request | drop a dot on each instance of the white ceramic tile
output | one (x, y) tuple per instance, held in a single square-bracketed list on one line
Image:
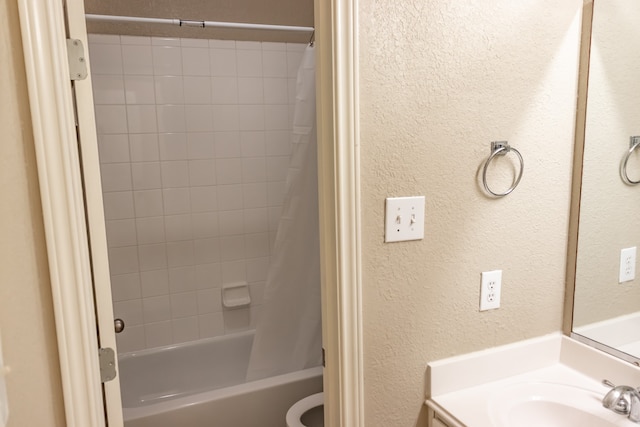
[(236, 320), (178, 227), (166, 41), (277, 168), (227, 144), (111, 119), (154, 283), (140, 40), (108, 89), (273, 215), (232, 248), (248, 45), (222, 44), (272, 240), (206, 251), (205, 224), (121, 232), (185, 329), (234, 271), (144, 147), (256, 245), (255, 312), (102, 39), (250, 90), (275, 193), (148, 203), (199, 118), (139, 90), (208, 276), (113, 148), (123, 260), (200, 145), (141, 119), (296, 47), (279, 46), (223, 62), (252, 143), (254, 195), (152, 257), (254, 169), (116, 177), (249, 63), (184, 304), (118, 205), (276, 117), (202, 172), (255, 220), (105, 58), (231, 222), (293, 62), (256, 290), (182, 279), (171, 118), (292, 90), (197, 90), (252, 117), (131, 339), (225, 118), (175, 174), (167, 61), (209, 301), (158, 334), (146, 175), (229, 171), (195, 61), (169, 90), (176, 200), (230, 197), (204, 199), (173, 146), (194, 43), (129, 311), (276, 91), (180, 254), (274, 63), (257, 269), (211, 325), (224, 90), (125, 286), (150, 230), (278, 143), (137, 60)]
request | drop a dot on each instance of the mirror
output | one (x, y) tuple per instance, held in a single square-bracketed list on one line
[(605, 310)]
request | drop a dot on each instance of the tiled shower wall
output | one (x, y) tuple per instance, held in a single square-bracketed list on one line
[(194, 142)]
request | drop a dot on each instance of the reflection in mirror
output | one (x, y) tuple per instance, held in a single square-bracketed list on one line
[(606, 310)]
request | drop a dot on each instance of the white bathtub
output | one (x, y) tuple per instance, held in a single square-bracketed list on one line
[(201, 384)]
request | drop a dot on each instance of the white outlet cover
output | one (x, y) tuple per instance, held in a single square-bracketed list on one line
[(404, 219), (490, 289), (627, 265)]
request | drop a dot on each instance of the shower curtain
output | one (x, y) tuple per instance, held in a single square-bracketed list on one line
[(288, 336)]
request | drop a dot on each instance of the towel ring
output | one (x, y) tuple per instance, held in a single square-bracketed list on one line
[(633, 144), (501, 148)]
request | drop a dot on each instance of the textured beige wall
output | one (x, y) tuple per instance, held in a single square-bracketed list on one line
[(439, 81), (26, 313), (609, 208)]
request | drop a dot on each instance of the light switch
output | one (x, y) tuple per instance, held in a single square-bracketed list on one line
[(404, 219)]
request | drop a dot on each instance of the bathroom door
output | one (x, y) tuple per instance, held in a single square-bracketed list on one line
[(87, 140)]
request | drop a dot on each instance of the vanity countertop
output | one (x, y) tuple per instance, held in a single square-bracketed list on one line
[(469, 390)]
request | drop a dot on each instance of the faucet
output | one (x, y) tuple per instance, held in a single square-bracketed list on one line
[(623, 399)]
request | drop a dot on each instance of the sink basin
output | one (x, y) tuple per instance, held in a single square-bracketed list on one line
[(535, 404)]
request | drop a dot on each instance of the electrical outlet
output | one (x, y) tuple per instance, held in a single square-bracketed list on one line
[(627, 265), (404, 219), (490, 287)]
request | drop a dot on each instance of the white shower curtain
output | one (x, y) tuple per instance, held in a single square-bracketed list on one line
[(289, 335)]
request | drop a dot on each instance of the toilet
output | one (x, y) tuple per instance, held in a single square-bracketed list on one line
[(307, 412)]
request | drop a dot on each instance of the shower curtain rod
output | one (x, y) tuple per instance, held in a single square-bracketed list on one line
[(192, 23)]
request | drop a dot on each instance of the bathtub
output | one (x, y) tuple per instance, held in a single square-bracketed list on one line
[(201, 384)]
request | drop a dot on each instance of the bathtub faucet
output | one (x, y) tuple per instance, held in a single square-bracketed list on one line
[(623, 399)]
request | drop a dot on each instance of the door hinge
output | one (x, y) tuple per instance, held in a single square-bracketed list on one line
[(324, 360), (107, 364), (77, 60)]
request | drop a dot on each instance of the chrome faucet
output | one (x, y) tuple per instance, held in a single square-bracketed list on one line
[(624, 400)]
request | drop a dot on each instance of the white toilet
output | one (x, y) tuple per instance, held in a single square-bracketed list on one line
[(307, 412)]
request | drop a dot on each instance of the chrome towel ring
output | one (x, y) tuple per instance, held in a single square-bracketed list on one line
[(633, 144), (501, 148)]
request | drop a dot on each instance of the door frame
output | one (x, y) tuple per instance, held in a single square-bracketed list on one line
[(61, 187)]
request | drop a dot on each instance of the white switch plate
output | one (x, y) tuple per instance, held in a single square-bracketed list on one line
[(490, 288), (627, 265), (404, 219)]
